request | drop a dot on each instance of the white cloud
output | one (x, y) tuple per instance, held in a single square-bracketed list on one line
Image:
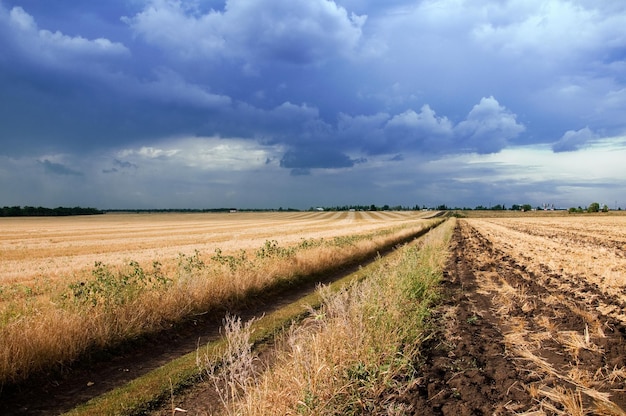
[(601, 163), (535, 174), (22, 20), (202, 153), (489, 127), (412, 131)]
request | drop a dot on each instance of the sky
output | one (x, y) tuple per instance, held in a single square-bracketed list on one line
[(304, 103)]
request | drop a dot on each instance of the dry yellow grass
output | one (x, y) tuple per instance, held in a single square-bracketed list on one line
[(55, 304), (357, 354)]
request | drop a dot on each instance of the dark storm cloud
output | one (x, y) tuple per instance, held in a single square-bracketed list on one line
[(297, 87)]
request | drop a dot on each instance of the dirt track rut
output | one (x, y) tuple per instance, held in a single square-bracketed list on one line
[(510, 341)]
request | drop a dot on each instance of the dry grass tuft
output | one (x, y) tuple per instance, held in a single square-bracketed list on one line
[(235, 371)]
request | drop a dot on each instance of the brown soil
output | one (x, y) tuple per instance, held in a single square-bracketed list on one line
[(466, 368), (476, 363)]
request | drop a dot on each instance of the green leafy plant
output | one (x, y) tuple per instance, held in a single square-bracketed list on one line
[(109, 289), (271, 249)]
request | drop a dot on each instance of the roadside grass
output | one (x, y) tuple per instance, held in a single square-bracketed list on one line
[(161, 385), (49, 330), (357, 353)]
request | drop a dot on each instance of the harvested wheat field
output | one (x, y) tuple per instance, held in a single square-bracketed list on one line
[(73, 287), (534, 322), (55, 248)]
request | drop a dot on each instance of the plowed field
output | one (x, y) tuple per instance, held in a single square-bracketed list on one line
[(533, 322)]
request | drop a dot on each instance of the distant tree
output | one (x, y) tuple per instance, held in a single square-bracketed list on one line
[(29, 211), (593, 207), (605, 208)]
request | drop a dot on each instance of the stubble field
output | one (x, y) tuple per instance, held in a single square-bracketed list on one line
[(73, 285), (55, 248)]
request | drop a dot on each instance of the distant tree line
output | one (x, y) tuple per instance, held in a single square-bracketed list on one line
[(196, 210), (371, 207), (18, 211), (593, 207)]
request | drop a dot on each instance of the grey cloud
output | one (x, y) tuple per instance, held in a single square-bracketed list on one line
[(488, 128), (286, 123), (294, 31), (318, 85), (309, 158), (58, 168), (300, 172), (171, 87), (423, 130), (573, 140), (120, 165), (124, 164), (363, 131), (56, 49)]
